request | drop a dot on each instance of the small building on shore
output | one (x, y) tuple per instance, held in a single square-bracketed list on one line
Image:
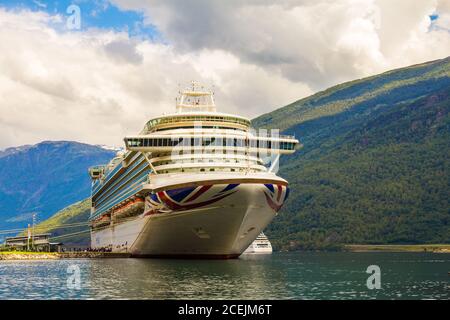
[(38, 242)]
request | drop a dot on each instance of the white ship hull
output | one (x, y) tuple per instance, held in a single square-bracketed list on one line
[(261, 245), (257, 250), (219, 223)]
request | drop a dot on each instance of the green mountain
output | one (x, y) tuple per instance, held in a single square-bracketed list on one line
[(69, 225), (374, 167)]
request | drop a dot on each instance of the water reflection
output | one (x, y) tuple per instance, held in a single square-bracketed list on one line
[(248, 278), (277, 276)]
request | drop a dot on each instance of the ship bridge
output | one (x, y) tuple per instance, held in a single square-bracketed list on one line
[(195, 108), (198, 138)]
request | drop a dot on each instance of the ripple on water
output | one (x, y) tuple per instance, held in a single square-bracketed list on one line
[(277, 276)]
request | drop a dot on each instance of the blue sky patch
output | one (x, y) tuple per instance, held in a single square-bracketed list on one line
[(94, 14), (434, 17)]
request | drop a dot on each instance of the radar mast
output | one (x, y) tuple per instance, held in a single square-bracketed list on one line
[(195, 98)]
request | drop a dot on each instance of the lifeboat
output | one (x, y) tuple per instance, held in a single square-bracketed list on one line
[(102, 221), (132, 207)]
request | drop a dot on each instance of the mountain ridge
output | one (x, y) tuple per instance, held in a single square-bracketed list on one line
[(315, 98), (44, 178)]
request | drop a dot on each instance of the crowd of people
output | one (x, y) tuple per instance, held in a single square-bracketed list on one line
[(89, 249)]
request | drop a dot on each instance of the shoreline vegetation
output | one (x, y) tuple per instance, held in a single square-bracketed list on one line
[(435, 248), (20, 255)]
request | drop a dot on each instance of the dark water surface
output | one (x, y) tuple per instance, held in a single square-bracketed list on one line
[(277, 276)]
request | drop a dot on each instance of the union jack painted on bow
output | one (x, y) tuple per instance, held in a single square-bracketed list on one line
[(186, 198), (276, 195)]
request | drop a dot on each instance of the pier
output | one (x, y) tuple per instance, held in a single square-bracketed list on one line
[(17, 255)]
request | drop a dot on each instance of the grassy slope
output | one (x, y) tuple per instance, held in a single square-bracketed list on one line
[(375, 163), (76, 213)]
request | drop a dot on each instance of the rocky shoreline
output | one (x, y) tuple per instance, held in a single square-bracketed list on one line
[(62, 255)]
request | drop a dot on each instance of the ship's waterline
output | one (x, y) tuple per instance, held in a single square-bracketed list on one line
[(185, 190)]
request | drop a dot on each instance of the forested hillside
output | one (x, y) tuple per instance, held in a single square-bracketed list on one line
[(70, 225), (374, 167)]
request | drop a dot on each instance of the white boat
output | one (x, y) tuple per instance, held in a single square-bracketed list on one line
[(192, 183), (261, 245)]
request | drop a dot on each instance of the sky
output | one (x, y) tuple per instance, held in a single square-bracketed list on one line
[(100, 77)]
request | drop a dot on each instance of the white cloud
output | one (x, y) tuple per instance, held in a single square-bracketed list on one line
[(319, 43), (96, 86)]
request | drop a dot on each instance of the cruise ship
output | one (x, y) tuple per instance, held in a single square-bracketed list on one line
[(261, 245), (193, 183)]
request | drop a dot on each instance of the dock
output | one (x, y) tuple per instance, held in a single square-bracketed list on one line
[(15, 255)]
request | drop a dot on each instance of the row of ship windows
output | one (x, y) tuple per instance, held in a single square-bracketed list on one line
[(200, 160), (175, 170), (155, 122), (172, 142), (202, 127)]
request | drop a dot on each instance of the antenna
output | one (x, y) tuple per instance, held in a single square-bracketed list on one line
[(32, 233), (29, 237)]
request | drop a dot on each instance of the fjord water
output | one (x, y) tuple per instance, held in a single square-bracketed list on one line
[(339, 275)]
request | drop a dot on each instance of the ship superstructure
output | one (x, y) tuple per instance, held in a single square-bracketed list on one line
[(196, 182)]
